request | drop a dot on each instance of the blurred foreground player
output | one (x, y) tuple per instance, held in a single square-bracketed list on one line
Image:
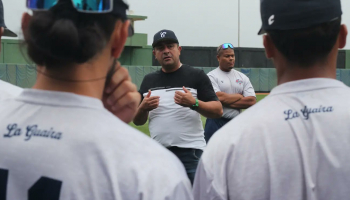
[(57, 140), (296, 143), (120, 95)]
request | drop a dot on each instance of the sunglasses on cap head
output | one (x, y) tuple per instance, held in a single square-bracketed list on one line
[(225, 46), (84, 6), (96, 6)]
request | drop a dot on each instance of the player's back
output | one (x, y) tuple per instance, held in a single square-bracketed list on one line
[(294, 144), (57, 145), (8, 90)]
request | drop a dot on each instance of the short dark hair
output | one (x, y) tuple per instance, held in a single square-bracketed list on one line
[(307, 46), (62, 36)]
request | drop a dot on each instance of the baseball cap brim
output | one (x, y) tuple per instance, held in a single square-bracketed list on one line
[(131, 31), (261, 32), (164, 40), (9, 33)]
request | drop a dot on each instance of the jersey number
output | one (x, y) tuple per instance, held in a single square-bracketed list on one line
[(44, 189)]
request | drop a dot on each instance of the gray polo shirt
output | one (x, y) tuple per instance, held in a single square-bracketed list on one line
[(294, 144), (73, 148), (232, 82)]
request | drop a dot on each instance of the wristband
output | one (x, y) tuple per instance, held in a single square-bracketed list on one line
[(195, 106)]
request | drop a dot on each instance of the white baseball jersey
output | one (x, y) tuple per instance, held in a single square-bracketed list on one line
[(233, 82), (294, 144), (72, 148), (8, 90)]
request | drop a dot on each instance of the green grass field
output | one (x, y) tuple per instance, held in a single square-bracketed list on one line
[(144, 128)]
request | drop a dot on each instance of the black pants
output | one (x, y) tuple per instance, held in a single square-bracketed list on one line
[(212, 125), (189, 158)]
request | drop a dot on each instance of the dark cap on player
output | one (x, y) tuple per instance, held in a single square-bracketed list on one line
[(119, 8), (297, 14), (7, 32), (164, 36)]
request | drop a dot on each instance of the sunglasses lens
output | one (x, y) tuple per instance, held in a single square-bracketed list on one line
[(94, 6), (227, 45), (80, 5), (40, 4)]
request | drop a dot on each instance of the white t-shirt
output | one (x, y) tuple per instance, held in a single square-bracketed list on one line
[(233, 82), (75, 149), (294, 144), (171, 124), (187, 134), (8, 90)]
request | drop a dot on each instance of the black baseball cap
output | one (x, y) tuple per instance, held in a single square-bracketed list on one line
[(119, 9), (7, 32), (297, 14), (164, 36)]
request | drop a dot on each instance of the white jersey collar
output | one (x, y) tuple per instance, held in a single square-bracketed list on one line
[(60, 99), (307, 85)]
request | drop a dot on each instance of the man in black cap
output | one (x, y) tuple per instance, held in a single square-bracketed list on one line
[(296, 144), (173, 98)]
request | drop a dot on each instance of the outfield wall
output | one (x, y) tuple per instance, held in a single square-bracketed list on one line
[(137, 54), (263, 79)]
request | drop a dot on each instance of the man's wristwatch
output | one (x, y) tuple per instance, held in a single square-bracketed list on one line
[(195, 106)]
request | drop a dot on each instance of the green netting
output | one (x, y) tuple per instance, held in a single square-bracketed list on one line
[(262, 79), (26, 76), (338, 74), (255, 78), (140, 73), (132, 73), (8, 73), (272, 79), (208, 69), (344, 76)]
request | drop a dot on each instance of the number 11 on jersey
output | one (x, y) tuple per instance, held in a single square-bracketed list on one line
[(44, 189)]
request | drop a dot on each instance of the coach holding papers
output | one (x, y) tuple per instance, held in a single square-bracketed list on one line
[(173, 98)]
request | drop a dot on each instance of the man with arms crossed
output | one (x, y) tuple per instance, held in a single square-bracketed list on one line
[(174, 98), (294, 144), (233, 88)]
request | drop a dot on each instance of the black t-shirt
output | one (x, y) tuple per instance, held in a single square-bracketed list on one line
[(185, 76)]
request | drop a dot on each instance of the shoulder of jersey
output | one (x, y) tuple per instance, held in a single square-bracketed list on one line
[(212, 71), (260, 112)]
